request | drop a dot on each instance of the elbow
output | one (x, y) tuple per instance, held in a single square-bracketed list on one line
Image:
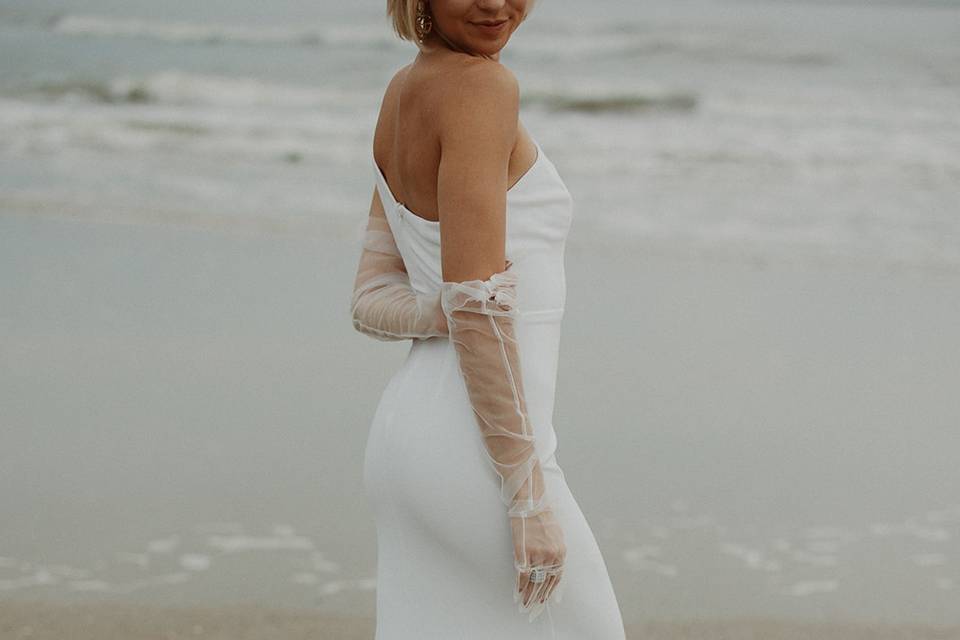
[(357, 317), (362, 327), (356, 314), (363, 323)]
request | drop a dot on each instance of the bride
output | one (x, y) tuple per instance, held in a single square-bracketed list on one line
[(463, 255)]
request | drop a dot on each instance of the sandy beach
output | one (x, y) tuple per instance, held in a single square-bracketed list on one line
[(132, 350), (41, 621)]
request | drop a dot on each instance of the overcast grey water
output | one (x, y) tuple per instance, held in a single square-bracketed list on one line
[(766, 235), (830, 129)]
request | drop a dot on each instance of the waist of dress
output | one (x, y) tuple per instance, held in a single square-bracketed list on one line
[(541, 315), (531, 317)]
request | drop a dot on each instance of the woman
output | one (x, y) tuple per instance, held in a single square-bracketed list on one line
[(463, 254)]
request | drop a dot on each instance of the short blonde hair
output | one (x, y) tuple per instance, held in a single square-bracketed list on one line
[(403, 17)]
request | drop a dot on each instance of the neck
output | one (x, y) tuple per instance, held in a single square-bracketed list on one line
[(447, 43)]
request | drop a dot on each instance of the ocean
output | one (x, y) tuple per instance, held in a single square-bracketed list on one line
[(761, 129)]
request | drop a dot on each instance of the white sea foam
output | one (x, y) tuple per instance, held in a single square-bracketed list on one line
[(642, 39), (910, 528), (305, 578), (192, 32), (581, 40), (284, 530), (320, 562), (337, 586), (643, 558), (195, 561), (164, 545), (755, 559), (35, 578), (179, 87), (235, 544), (929, 559)]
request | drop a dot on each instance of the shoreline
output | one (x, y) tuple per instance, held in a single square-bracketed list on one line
[(587, 241), (121, 621), (132, 350)]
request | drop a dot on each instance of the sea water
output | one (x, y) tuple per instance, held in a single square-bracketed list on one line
[(784, 130)]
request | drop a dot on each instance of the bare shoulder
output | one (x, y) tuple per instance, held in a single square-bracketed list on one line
[(489, 73), (482, 95), (398, 76), (391, 94)]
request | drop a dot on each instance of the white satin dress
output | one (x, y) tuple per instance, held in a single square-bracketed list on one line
[(444, 547)]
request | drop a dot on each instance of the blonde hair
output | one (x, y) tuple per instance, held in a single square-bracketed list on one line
[(403, 18)]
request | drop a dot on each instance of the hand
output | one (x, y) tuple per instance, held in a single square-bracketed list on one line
[(538, 542)]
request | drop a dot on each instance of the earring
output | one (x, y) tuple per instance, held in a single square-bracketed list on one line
[(424, 23)]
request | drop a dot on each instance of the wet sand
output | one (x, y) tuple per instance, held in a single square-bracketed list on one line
[(790, 430), (46, 621)]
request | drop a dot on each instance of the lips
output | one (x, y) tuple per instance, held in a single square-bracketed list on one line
[(489, 28)]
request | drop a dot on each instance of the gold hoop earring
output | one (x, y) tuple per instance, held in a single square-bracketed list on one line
[(424, 23)]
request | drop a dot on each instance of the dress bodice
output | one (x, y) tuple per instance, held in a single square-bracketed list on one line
[(539, 214)]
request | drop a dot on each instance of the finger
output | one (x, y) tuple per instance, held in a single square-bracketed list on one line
[(541, 589), (523, 580), (544, 590), (554, 580), (547, 588), (536, 591), (528, 593), (533, 593)]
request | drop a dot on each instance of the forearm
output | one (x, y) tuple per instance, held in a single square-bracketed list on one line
[(388, 308), (481, 317), (384, 304)]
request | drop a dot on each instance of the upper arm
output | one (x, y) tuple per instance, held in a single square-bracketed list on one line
[(378, 216), (478, 130), (379, 234), (379, 253)]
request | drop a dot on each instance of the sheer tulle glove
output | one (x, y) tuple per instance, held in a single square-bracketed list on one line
[(384, 305), (481, 316), (538, 546)]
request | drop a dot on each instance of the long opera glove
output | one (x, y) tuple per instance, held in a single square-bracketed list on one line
[(384, 305), (481, 316)]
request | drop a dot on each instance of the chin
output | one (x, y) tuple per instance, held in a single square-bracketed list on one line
[(488, 47), (488, 50)]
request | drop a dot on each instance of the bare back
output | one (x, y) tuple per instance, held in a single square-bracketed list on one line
[(406, 143)]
